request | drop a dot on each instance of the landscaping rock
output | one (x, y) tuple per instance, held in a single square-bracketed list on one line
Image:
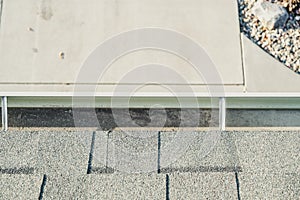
[(282, 43), (271, 15)]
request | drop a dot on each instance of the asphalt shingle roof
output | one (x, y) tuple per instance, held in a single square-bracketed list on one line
[(64, 164)]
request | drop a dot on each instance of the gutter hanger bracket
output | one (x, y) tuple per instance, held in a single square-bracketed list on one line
[(4, 114), (222, 113)]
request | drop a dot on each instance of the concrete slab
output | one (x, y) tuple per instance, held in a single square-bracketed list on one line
[(133, 186), (18, 152), (20, 186), (185, 151), (64, 152), (202, 186), (257, 185), (44, 30), (133, 151), (269, 151), (263, 73)]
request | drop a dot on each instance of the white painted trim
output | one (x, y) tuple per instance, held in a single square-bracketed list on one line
[(4, 114), (110, 94), (222, 113)]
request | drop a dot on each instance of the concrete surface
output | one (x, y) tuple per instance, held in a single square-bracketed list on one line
[(203, 186), (265, 73), (20, 186), (46, 32)]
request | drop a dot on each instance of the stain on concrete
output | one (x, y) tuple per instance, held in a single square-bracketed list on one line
[(30, 29), (46, 10), (35, 50), (62, 55)]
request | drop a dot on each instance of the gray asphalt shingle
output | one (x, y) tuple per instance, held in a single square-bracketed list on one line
[(202, 186), (267, 164), (127, 186), (20, 186), (269, 151), (198, 152), (98, 156), (271, 164), (64, 152), (271, 185), (18, 151), (66, 187), (25, 152), (106, 186), (127, 152)]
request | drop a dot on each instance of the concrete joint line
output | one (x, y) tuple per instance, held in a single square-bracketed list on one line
[(1, 9)]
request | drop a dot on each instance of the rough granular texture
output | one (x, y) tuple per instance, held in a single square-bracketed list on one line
[(282, 43)]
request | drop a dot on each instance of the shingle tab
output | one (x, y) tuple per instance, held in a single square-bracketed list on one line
[(269, 151), (210, 151), (67, 187), (130, 186), (202, 186), (127, 152), (18, 152), (274, 185), (64, 152), (20, 186)]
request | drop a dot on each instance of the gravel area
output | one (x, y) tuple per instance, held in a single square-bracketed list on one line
[(282, 43)]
